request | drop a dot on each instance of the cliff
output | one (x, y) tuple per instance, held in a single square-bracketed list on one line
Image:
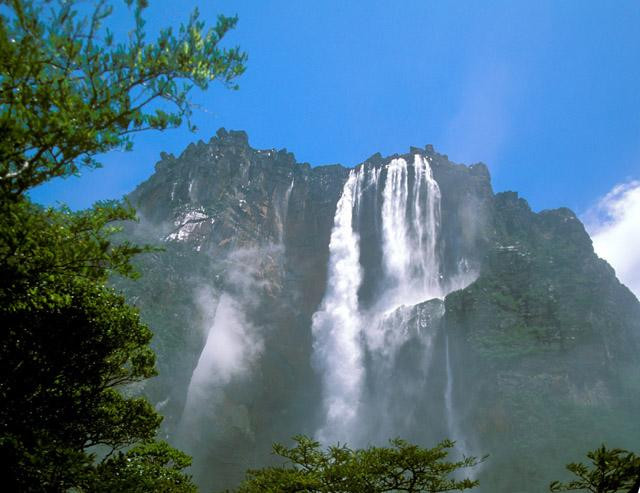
[(528, 352)]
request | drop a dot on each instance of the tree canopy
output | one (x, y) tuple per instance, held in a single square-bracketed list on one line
[(400, 467), (69, 89), (69, 346), (72, 352), (611, 471)]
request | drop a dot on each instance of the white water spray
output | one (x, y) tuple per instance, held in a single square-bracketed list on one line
[(394, 221), (283, 211), (337, 327), (229, 351), (410, 226), (426, 221)]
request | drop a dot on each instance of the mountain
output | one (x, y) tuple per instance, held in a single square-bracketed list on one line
[(398, 298)]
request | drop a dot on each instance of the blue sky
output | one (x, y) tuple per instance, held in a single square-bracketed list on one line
[(547, 93)]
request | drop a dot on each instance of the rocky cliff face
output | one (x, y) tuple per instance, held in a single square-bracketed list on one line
[(552, 338), (286, 292)]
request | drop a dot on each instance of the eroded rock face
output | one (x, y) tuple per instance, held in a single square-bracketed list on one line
[(538, 346)]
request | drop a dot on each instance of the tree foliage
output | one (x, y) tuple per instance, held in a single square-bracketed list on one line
[(399, 467), (69, 90), (67, 347), (147, 467), (72, 352), (611, 471)]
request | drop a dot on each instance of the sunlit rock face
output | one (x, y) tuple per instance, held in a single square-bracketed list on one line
[(398, 298)]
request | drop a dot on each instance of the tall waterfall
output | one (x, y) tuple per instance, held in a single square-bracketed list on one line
[(410, 217), (410, 226), (407, 226), (336, 326)]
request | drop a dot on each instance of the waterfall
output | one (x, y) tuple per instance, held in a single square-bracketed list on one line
[(336, 326), (394, 225), (427, 225), (410, 226), (375, 177), (357, 192), (282, 216), (407, 226)]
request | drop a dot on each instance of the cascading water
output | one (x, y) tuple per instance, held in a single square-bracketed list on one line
[(283, 211), (336, 326), (394, 221), (410, 219), (427, 225), (410, 226), (355, 348)]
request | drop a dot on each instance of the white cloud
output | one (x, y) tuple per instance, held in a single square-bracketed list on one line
[(614, 225)]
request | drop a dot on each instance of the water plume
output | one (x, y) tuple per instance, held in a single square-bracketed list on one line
[(410, 226), (337, 327), (231, 347), (357, 348)]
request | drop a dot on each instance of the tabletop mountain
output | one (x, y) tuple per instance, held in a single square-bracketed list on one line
[(400, 298)]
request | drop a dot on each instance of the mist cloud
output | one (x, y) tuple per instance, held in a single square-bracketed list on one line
[(614, 225), (233, 344)]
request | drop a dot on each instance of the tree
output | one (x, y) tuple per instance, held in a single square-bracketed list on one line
[(71, 350), (69, 90), (611, 471), (399, 467), (147, 467), (67, 343)]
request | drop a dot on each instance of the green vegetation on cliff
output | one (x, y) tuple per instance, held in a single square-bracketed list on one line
[(553, 337)]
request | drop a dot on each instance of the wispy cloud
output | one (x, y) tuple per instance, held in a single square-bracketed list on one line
[(614, 225), (481, 122)]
